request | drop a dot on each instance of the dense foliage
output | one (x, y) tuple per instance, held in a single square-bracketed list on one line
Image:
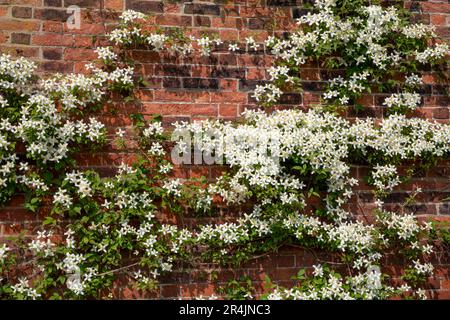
[(101, 227)]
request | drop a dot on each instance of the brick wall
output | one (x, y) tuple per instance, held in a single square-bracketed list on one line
[(219, 86)]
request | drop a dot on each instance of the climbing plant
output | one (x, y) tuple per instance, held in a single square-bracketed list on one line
[(280, 162)]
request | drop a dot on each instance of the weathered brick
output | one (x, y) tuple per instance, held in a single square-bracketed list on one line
[(174, 20), (194, 88), (313, 86), (259, 23), (114, 4), (441, 113), (20, 38), (204, 9), (52, 53), (19, 25), (52, 26), (51, 14), (201, 21), (291, 98), (414, 7), (281, 3), (440, 89), (444, 208), (52, 40), (199, 83), (22, 12), (436, 7), (79, 54), (170, 291), (438, 19), (56, 66), (145, 6), (230, 97), (52, 3), (82, 3), (171, 83), (172, 70), (228, 72), (249, 85), (3, 11), (228, 110)]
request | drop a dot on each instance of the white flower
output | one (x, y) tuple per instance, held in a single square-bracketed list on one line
[(173, 186), (106, 53), (80, 182), (205, 45), (131, 15), (3, 102), (61, 197), (153, 129), (318, 271), (233, 47), (156, 149), (406, 100), (120, 133), (421, 294), (418, 30), (3, 250), (413, 80), (22, 287), (165, 168), (251, 43), (430, 54), (385, 177), (344, 100)]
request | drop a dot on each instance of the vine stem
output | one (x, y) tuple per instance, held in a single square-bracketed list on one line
[(315, 255), (118, 269)]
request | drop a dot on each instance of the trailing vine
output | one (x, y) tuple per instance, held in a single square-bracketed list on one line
[(101, 227)]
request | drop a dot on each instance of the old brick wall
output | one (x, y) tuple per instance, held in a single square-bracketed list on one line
[(219, 86)]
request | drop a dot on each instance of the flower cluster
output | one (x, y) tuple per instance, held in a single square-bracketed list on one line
[(40, 116), (272, 158), (385, 177), (403, 101), (364, 40), (261, 149), (3, 250), (277, 162)]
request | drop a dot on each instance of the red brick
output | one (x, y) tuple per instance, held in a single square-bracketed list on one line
[(64, 50), (171, 7), (19, 25), (52, 40), (114, 4), (229, 97), (229, 35), (438, 19), (226, 22), (3, 11), (228, 110), (22, 12), (23, 51), (20, 38), (170, 291), (206, 290), (174, 20), (228, 84), (87, 28), (441, 113), (52, 26), (181, 96), (79, 54), (256, 74), (435, 7)]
